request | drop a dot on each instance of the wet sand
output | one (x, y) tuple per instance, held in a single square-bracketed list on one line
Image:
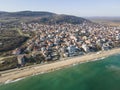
[(40, 69)]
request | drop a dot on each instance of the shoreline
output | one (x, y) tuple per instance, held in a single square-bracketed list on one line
[(15, 75), (18, 79)]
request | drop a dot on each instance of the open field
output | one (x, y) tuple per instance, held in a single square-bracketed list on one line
[(113, 21)]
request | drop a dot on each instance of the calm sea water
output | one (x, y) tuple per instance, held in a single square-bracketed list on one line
[(98, 75)]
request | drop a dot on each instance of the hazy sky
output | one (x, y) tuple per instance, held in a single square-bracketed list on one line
[(73, 7)]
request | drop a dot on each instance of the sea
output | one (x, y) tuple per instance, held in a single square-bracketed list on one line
[(101, 74)]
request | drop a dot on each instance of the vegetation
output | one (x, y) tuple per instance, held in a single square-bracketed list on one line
[(11, 43), (10, 39), (8, 63), (40, 17), (12, 62)]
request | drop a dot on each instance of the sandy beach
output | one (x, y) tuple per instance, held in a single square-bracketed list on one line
[(39, 69)]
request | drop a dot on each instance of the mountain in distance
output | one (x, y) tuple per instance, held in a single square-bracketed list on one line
[(42, 17), (25, 14)]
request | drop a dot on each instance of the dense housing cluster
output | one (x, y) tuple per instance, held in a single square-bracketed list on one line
[(66, 40)]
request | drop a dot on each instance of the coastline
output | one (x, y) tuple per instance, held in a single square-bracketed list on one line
[(40, 69)]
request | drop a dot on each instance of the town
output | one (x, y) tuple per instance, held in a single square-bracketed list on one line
[(59, 45), (54, 42)]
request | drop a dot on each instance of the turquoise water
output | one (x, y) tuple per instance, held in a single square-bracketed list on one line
[(98, 75)]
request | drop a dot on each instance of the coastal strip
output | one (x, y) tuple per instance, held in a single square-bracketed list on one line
[(39, 69)]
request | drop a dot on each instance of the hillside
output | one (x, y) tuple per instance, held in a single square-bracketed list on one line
[(25, 14), (41, 17)]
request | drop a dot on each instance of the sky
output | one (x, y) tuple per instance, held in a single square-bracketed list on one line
[(71, 7)]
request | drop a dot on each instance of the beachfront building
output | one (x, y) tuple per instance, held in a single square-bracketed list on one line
[(21, 60)]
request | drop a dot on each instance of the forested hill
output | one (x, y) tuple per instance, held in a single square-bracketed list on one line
[(42, 17)]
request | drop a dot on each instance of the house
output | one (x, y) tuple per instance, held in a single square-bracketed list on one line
[(85, 47), (72, 50), (16, 51), (21, 60), (1, 43), (105, 46)]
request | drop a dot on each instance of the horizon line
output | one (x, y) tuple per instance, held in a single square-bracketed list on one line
[(86, 16)]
